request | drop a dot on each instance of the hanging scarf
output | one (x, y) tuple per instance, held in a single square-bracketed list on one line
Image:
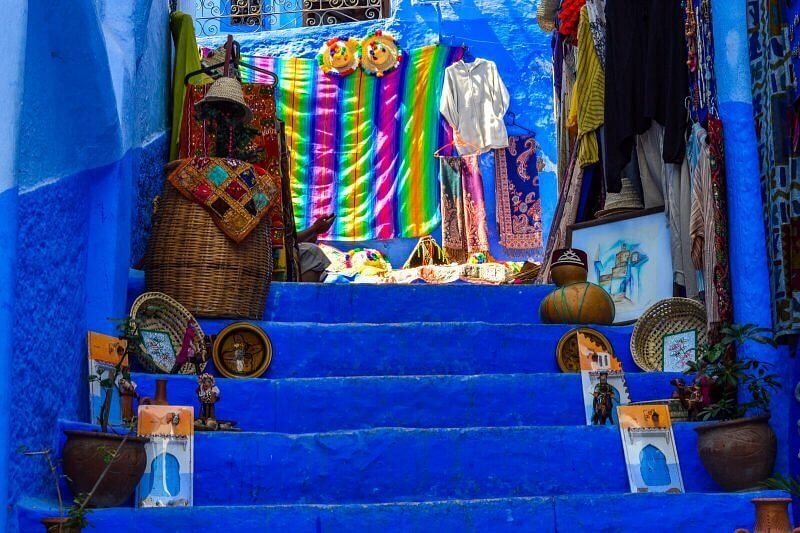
[(519, 212), (464, 230)]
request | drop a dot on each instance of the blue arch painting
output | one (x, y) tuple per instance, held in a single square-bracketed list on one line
[(653, 467), (164, 480)]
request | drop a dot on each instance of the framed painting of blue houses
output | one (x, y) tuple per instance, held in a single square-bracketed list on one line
[(629, 256)]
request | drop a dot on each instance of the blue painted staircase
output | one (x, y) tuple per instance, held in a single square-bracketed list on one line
[(418, 408)]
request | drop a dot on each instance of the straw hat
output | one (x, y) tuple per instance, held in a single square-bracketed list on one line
[(627, 199), (546, 15), (227, 91)]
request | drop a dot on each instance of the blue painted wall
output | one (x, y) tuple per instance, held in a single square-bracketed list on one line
[(748, 255), (92, 139), (504, 31)]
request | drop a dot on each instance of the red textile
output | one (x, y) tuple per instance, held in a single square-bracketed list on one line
[(569, 16)]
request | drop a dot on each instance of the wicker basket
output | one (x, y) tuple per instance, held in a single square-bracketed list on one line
[(673, 315), (156, 312), (191, 260)]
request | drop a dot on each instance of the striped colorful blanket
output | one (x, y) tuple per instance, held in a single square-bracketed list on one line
[(362, 147)]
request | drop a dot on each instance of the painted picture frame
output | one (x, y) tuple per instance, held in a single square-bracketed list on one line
[(168, 479), (678, 349), (648, 442), (629, 257), (602, 380)]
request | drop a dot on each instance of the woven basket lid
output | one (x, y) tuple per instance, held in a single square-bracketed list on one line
[(667, 317), (227, 90), (546, 15), (627, 199)]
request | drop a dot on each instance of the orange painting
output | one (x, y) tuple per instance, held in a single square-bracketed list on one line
[(106, 348), (643, 416), (593, 356), (163, 420)]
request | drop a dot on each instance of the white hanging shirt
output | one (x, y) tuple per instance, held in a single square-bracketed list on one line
[(474, 101)]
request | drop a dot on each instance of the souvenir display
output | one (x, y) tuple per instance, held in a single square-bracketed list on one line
[(427, 252), (161, 324), (242, 350), (380, 53), (339, 57), (668, 334), (168, 478), (629, 257), (391, 188), (567, 350), (650, 452), (603, 382)]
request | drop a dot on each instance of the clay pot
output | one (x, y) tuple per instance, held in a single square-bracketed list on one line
[(84, 459), (738, 454), (567, 274), (772, 516), (55, 525), (161, 394), (578, 303)]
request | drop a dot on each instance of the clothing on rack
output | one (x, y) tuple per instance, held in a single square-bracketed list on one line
[(648, 79), (519, 211), (474, 100), (597, 24), (569, 17), (464, 229), (590, 90), (187, 59)]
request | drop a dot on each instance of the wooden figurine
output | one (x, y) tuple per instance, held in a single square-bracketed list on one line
[(208, 394)]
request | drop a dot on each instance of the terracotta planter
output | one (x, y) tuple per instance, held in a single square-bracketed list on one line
[(84, 457), (738, 454), (772, 516), (55, 525)]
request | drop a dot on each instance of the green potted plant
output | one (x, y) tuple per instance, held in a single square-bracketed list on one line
[(76, 519), (103, 463), (738, 450)]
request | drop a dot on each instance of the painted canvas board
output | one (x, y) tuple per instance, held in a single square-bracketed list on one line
[(603, 382), (168, 477), (679, 349), (649, 444), (104, 351), (631, 260)]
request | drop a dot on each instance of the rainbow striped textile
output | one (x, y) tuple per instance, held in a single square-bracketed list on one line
[(361, 146)]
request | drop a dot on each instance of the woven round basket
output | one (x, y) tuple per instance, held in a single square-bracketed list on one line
[(156, 314), (667, 317), (191, 260)]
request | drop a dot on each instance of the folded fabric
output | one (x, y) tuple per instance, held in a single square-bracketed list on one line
[(236, 194)]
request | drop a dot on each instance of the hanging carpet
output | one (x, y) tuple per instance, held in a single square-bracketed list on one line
[(362, 146)]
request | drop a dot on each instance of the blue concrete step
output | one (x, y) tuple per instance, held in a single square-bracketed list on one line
[(328, 303), (419, 348), (394, 464), (579, 513), (328, 404)]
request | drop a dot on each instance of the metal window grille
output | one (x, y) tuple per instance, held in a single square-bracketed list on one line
[(239, 16)]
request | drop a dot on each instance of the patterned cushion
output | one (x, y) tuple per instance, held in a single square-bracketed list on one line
[(236, 194)]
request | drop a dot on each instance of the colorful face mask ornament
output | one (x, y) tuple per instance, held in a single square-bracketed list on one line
[(380, 53), (339, 57)]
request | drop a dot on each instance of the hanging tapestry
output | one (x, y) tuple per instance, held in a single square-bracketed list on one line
[(464, 228), (361, 146), (197, 141), (770, 77), (519, 210)]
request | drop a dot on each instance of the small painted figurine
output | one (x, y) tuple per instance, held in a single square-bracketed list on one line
[(208, 394), (127, 392), (603, 403)]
